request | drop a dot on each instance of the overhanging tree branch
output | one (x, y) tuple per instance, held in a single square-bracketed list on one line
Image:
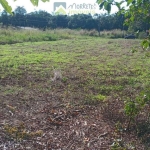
[(8, 8)]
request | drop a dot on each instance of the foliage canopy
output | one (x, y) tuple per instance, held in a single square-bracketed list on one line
[(8, 8), (135, 9)]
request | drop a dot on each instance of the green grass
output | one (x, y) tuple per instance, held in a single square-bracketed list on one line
[(99, 68)]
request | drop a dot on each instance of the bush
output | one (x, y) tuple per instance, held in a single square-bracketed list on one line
[(113, 34), (142, 35)]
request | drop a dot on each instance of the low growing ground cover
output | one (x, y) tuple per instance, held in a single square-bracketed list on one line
[(69, 94)]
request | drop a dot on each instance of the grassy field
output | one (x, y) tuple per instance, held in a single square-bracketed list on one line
[(70, 93), (13, 35)]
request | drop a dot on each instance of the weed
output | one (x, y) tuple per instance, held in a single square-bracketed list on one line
[(19, 132), (134, 107), (94, 99)]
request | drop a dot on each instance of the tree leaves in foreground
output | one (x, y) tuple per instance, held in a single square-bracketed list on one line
[(36, 2), (135, 9), (8, 8)]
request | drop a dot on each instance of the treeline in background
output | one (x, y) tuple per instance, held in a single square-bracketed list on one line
[(42, 19)]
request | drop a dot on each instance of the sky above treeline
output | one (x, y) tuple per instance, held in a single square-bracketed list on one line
[(84, 5)]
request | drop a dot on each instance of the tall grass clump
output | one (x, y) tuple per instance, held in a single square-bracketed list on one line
[(142, 35), (11, 36), (114, 34), (88, 32)]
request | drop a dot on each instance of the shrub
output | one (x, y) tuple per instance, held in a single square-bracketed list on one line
[(142, 35)]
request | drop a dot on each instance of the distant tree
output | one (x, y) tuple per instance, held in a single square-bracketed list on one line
[(83, 21), (19, 17), (59, 21), (5, 18), (20, 10), (90, 23), (38, 19)]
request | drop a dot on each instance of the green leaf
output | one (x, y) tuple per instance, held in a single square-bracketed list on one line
[(129, 2), (118, 4), (6, 6), (101, 5), (100, 1), (145, 44), (107, 6), (35, 2)]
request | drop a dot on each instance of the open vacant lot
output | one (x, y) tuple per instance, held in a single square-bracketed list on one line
[(69, 94)]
